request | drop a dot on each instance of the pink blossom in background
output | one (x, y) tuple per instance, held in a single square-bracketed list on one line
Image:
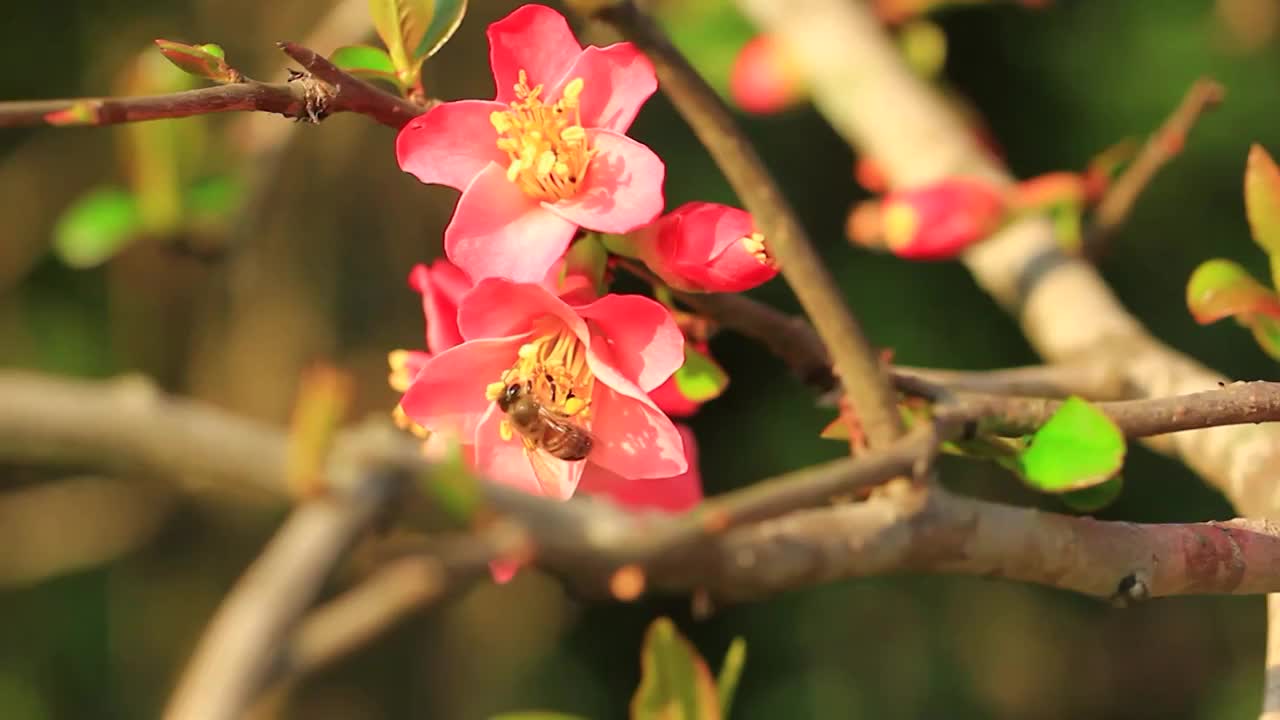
[(706, 247), (941, 220), (546, 156), (764, 78)]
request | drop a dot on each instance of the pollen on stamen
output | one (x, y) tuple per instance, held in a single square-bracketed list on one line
[(504, 431), (574, 405), (754, 244), (493, 390)]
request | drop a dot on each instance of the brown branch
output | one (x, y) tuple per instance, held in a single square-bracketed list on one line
[(799, 263), (743, 544), (326, 91), (1163, 146), (234, 658), (1236, 404)]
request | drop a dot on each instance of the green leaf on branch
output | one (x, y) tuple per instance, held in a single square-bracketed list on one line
[(413, 30), (208, 61), (1093, 499), (444, 23), (96, 227), (700, 379), (366, 62), (1079, 447), (675, 683), (1221, 288), (730, 674), (1262, 199)]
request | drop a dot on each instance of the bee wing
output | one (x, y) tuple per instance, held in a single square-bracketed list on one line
[(552, 473), (562, 423)]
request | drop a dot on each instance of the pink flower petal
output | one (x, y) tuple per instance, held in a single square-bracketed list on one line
[(503, 570), (644, 341), (448, 394), (442, 286), (622, 189), (507, 462), (497, 308), (617, 80), (633, 438), (498, 231), (533, 38), (450, 143), (673, 494)]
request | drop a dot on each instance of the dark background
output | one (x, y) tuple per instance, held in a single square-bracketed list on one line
[(102, 596)]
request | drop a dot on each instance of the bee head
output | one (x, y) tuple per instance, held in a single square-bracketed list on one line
[(509, 395)]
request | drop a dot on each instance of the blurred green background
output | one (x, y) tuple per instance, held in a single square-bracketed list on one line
[(106, 583)]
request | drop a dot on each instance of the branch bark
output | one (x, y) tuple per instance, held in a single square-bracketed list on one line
[(326, 90)]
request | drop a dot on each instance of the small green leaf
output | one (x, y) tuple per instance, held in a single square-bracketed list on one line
[(675, 683), (1262, 199), (444, 23), (207, 61), (730, 673), (1221, 288), (1078, 447), (535, 715), (700, 379), (1092, 499), (96, 227), (402, 25), (365, 61)]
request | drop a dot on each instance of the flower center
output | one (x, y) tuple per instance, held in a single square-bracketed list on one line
[(546, 143), (754, 243), (553, 367)]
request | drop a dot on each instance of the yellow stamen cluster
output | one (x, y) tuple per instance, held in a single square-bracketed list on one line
[(555, 367), (546, 143), (754, 243)]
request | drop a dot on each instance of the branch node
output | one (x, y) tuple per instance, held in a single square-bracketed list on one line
[(1131, 590)]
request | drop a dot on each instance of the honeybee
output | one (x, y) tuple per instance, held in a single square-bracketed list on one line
[(543, 432)]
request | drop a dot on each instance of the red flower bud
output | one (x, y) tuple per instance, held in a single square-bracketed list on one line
[(706, 247), (939, 221), (764, 78)]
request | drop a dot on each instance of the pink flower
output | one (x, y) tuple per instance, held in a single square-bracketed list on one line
[(706, 247), (442, 285), (590, 365), (546, 156), (939, 221), (764, 78), (673, 494)]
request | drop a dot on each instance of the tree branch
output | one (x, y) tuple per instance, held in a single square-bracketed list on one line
[(743, 544), (326, 90), (1164, 145), (711, 121)]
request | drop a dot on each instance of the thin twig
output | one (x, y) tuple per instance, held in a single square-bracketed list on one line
[(308, 98), (1164, 145), (1236, 404), (712, 122)]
